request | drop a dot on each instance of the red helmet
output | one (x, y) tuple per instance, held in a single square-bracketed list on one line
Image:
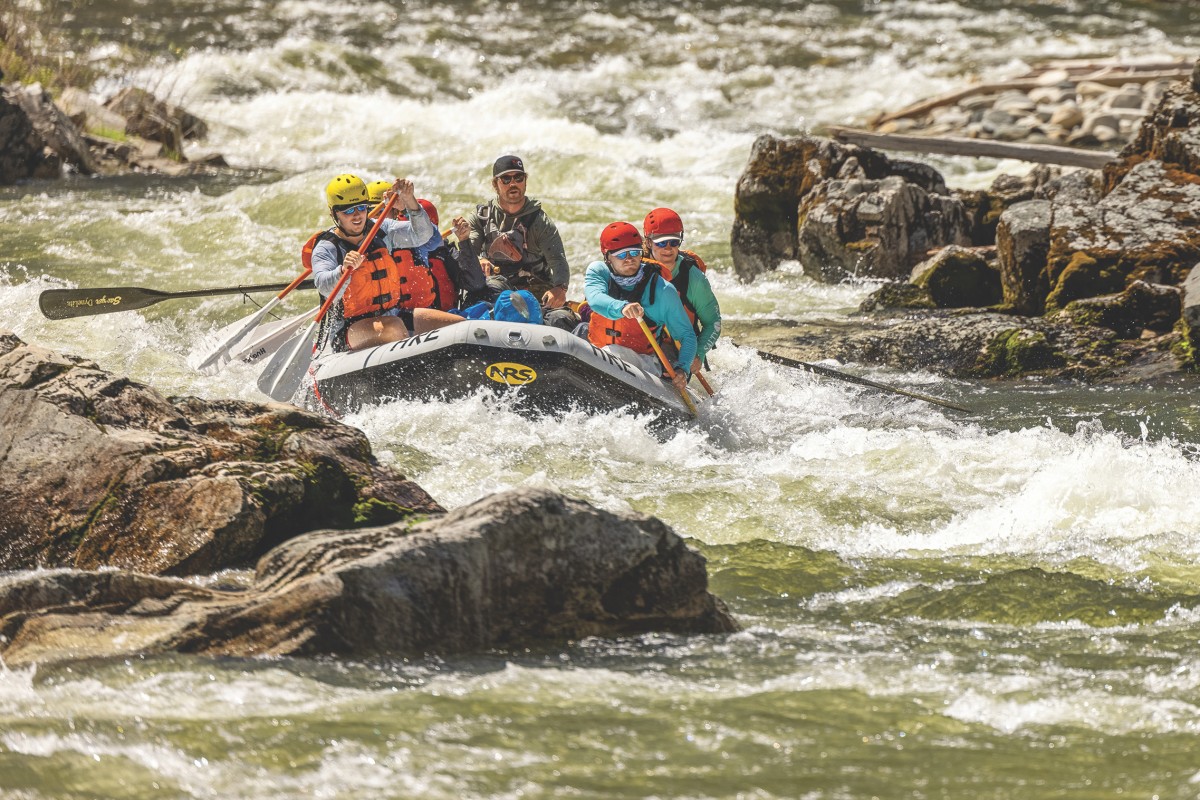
[(662, 222), (429, 207), (618, 236)]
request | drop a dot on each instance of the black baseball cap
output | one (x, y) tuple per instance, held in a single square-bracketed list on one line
[(507, 164)]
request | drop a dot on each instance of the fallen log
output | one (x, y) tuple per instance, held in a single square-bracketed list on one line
[(985, 148)]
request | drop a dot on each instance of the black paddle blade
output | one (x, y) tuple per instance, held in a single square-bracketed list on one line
[(68, 303)]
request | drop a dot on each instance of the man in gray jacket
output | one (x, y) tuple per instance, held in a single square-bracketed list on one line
[(518, 244)]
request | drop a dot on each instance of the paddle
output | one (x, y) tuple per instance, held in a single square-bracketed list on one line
[(264, 341), (286, 370), (219, 355), (704, 383), (666, 364), (68, 303), (833, 373)]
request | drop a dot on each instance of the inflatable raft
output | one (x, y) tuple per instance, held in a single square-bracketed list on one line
[(547, 369)]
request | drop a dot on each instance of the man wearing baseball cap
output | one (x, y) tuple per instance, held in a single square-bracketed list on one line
[(519, 246)]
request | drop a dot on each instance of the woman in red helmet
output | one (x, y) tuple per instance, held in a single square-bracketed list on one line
[(623, 288), (686, 272)]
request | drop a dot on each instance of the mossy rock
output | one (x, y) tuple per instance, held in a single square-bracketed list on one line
[(897, 295), (1141, 306), (1016, 352), (959, 278), (1084, 276)]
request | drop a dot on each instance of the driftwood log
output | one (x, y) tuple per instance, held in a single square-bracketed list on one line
[(986, 148)]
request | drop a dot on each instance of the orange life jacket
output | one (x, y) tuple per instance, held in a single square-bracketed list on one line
[(627, 332), (384, 281)]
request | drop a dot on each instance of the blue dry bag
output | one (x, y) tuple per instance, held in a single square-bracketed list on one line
[(519, 306)]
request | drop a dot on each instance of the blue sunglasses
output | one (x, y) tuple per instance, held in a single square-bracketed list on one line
[(633, 252), (355, 209), (667, 242)]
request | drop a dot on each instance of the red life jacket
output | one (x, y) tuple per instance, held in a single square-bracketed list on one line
[(603, 331), (443, 284)]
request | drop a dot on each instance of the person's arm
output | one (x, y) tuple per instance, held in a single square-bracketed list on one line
[(668, 310), (708, 312), (595, 289), (475, 240), (327, 267), (471, 278), (545, 239), (412, 232)]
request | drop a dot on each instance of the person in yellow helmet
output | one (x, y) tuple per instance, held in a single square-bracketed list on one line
[(375, 193), (385, 280)]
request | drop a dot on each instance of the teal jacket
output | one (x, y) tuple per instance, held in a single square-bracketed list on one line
[(667, 309), (703, 303)]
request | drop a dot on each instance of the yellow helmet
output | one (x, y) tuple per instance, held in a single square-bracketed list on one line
[(346, 190), (375, 190)]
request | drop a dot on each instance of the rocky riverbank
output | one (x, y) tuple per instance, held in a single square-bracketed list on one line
[(125, 512), (132, 131), (1083, 274), (1073, 103)]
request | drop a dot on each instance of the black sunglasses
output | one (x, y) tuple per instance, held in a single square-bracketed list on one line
[(518, 177)]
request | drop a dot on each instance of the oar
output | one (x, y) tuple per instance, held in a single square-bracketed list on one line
[(219, 356), (704, 383), (264, 341), (68, 303), (283, 375), (833, 373), (666, 364)]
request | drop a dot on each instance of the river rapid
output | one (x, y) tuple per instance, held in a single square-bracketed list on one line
[(1003, 604)]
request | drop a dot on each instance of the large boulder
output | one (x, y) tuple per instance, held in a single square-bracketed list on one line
[(1140, 307), (840, 210), (958, 277), (1022, 241), (24, 153), (97, 470), (150, 118), (1147, 228), (508, 570), (854, 226), (55, 128)]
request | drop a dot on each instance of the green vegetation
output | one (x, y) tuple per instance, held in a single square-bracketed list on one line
[(108, 133), (35, 49)]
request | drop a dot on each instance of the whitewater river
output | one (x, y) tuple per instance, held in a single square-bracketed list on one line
[(935, 605)]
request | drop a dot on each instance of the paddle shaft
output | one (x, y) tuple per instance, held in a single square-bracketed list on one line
[(842, 376), (69, 303), (666, 364)]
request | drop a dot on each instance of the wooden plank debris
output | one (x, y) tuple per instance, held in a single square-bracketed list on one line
[(978, 148)]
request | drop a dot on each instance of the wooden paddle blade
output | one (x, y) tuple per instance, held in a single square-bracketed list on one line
[(69, 303)]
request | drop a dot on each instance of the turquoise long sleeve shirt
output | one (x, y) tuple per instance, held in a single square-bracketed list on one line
[(667, 309)]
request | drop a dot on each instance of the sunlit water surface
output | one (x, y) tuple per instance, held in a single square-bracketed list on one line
[(935, 605)]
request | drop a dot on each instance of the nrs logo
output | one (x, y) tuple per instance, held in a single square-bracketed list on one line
[(511, 374)]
